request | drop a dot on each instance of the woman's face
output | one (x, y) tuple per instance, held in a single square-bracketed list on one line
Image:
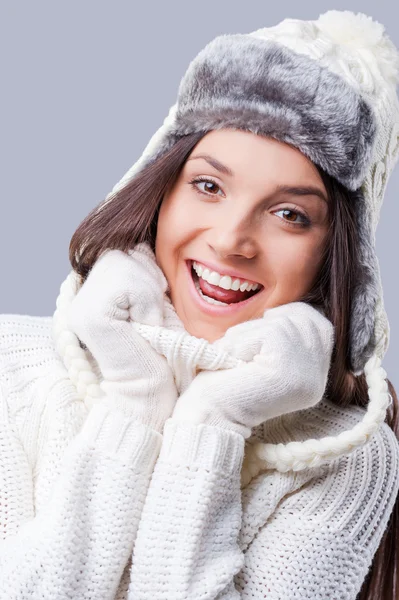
[(243, 222)]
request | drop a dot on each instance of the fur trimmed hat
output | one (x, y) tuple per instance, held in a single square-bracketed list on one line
[(328, 87)]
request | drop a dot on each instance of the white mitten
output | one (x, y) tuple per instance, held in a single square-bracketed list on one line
[(287, 357), (122, 288)]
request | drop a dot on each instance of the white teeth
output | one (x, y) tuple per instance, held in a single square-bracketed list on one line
[(205, 274), (223, 281), (235, 285), (214, 278), (207, 298)]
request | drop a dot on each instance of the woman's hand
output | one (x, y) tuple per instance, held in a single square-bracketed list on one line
[(122, 288), (287, 356)]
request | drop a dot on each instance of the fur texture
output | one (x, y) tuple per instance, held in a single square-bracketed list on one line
[(257, 85), (366, 290)]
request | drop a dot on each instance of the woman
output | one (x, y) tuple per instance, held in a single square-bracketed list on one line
[(224, 300)]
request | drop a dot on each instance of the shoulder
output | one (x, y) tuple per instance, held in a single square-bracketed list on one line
[(355, 493), (38, 400), (26, 347), (29, 364), (375, 468), (331, 517), (25, 330), (14, 328)]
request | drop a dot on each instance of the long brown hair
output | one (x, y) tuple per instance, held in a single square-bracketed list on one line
[(130, 216)]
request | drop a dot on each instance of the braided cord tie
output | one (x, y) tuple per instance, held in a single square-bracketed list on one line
[(67, 344), (297, 456), (191, 354)]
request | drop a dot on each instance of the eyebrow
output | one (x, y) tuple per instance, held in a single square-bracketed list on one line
[(308, 190)]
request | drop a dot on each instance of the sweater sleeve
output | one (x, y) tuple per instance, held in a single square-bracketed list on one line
[(80, 540), (187, 542), (317, 543)]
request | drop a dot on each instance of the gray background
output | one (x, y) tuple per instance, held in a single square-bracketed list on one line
[(84, 86)]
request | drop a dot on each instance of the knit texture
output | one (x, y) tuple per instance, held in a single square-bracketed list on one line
[(187, 355), (96, 506)]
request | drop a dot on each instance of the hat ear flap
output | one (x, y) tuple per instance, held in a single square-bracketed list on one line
[(367, 292)]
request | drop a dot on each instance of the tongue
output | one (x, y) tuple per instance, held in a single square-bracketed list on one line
[(218, 293)]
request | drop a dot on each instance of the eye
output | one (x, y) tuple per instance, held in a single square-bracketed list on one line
[(206, 180), (305, 220)]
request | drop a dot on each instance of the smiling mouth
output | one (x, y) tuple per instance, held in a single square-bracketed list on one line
[(217, 295)]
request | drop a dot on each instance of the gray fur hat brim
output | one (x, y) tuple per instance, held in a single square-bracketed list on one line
[(260, 86)]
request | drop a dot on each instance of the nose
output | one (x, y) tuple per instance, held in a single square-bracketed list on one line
[(233, 238)]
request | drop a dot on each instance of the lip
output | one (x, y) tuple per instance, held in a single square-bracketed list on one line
[(214, 309), (224, 271)]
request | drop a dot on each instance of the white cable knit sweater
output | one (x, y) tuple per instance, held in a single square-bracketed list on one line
[(96, 506)]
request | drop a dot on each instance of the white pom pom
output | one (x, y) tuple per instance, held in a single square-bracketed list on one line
[(359, 32)]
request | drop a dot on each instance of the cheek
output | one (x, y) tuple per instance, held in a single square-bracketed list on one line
[(172, 231), (294, 261), (176, 222)]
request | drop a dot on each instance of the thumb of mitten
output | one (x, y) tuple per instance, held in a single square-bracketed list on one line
[(148, 286)]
